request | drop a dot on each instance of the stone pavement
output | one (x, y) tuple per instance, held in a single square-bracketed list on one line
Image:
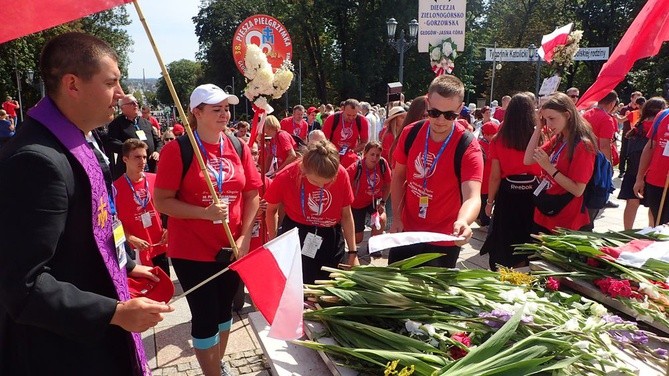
[(169, 344)]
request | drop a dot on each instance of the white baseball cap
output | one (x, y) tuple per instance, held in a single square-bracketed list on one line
[(210, 94)]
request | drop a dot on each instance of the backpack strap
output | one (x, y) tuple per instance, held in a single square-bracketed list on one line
[(335, 123), (411, 137), (656, 124), (187, 151), (358, 123), (383, 166), (463, 144)]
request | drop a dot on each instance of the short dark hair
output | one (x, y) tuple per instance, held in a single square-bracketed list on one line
[(353, 103), (72, 53), (611, 97), (447, 86), (131, 144)]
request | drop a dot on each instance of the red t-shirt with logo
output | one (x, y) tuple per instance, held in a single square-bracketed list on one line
[(579, 170), (370, 185), (130, 210), (511, 160), (346, 135), (603, 124), (281, 145), (317, 207), (200, 239), (659, 164), (297, 129), (442, 187)]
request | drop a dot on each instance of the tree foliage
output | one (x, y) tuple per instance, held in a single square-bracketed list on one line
[(186, 75)]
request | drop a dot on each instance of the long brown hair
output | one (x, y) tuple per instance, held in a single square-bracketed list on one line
[(577, 128), (519, 122)]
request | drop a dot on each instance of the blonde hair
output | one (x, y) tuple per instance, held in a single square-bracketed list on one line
[(322, 159), (272, 122)]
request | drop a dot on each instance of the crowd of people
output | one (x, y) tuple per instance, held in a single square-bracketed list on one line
[(89, 199)]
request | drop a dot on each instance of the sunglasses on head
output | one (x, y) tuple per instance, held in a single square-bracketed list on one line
[(448, 115)]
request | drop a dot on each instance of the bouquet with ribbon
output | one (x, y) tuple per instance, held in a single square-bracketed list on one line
[(442, 56)]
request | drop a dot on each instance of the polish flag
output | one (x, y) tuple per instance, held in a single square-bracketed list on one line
[(21, 18), (552, 40), (273, 276), (637, 252)]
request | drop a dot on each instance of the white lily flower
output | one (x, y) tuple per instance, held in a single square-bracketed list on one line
[(649, 290), (514, 295), (429, 329), (583, 345), (571, 325), (598, 309), (591, 322)]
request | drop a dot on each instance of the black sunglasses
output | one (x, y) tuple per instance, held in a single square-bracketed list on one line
[(169, 138), (573, 96), (448, 115)]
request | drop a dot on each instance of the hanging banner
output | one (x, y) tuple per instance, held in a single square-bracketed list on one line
[(522, 54), (267, 33), (439, 20)]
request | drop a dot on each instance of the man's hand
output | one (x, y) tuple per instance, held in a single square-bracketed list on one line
[(139, 314), (138, 243), (461, 228), (155, 156)]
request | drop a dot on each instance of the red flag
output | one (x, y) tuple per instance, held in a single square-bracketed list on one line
[(273, 276), (556, 38), (25, 17), (643, 39)]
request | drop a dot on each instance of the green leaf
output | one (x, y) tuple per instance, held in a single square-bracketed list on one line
[(415, 261)]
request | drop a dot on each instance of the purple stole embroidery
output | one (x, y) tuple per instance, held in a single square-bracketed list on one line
[(73, 139)]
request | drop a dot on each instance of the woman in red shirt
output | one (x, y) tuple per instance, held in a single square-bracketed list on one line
[(281, 147), (370, 180), (511, 184), (315, 193), (196, 235), (392, 129), (567, 161)]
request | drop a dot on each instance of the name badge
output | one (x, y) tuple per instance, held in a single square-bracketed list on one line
[(541, 187), (146, 219), (119, 244), (665, 153), (343, 150), (312, 243), (141, 135), (255, 231)]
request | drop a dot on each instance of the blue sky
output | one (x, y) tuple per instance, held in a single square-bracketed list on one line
[(173, 30)]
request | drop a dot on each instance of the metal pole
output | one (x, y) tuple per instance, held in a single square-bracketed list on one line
[(18, 89), (400, 45), (538, 76), (299, 77), (494, 68)]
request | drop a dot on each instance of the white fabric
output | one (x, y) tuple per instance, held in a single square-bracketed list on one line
[(566, 29), (657, 251), (384, 241)]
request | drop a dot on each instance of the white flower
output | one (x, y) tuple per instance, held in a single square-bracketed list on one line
[(453, 291), (447, 48), (413, 327), (583, 345), (591, 322), (429, 329), (435, 54), (531, 295), (598, 309), (434, 342), (649, 290), (571, 325), (514, 295), (603, 354), (531, 308), (261, 102)]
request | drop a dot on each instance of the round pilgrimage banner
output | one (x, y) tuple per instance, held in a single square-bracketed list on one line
[(266, 32)]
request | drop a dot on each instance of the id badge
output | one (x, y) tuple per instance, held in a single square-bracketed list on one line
[(312, 243), (541, 187), (343, 150), (146, 219), (255, 231), (665, 153), (141, 135), (422, 212), (119, 244)]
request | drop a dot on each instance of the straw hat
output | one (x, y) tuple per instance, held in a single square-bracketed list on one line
[(395, 112)]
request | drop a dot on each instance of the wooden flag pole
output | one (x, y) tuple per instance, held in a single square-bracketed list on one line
[(189, 131), (658, 220)]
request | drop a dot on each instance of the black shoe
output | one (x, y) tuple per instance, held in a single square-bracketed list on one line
[(611, 204)]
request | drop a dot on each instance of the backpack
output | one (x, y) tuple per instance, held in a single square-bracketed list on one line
[(463, 144), (656, 123), (600, 186), (337, 117), (383, 166), (187, 151)]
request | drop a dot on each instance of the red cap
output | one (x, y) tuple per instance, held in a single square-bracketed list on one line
[(312, 110), (161, 291), (489, 128), (178, 129)]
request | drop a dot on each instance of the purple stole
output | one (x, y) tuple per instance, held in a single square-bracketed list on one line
[(73, 139)]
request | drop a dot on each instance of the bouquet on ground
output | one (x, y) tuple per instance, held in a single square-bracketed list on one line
[(263, 83), (627, 266), (407, 319)]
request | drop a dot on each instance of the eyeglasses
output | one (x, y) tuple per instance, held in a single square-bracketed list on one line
[(448, 115), (573, 96), (131, 103), (169, 138)]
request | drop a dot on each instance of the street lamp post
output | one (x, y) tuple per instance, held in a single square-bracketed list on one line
[(532, 50), (30, 77), (402, 45), (18, 89)]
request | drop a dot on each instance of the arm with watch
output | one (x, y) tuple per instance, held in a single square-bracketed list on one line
[(493, 186), (348, 228)]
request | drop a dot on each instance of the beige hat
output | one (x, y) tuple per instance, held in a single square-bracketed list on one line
[(395, 112)]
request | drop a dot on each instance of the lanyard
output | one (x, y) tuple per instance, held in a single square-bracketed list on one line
[(136, 123), (219, 174), (302, 200), (556, 155), (436, 158), (112, 200), (142, 203), (374, 181)]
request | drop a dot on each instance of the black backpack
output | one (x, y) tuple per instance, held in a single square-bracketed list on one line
[(335, 124), (187, 151), (383, 166), (463, 144)]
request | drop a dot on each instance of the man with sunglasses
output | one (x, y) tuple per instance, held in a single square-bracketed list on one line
[(573, 93), (129, 124), (427, 193)]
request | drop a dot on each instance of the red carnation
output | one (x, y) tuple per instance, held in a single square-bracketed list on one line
[(552, 284), (592, 262), (456, 352), (614, 288)]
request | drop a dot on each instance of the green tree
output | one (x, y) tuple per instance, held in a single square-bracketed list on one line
[(186, 75)]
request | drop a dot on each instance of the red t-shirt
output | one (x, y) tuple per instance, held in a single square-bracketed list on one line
[(256, 239), (499, 114), (511, 160), (387, 139), (319, 207), (130, 210), (154, 123), (371, 184), (603, 124), (10, 108), (659, 164), (200, 239), (442, 187), (579, 170), (281, 145), (290, 126), (346, 134), (487, 165)]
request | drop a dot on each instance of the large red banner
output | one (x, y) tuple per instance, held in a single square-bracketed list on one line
[(266, 32)]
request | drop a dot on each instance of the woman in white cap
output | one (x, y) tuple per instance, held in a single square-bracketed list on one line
[(197, 242), (392, 128)]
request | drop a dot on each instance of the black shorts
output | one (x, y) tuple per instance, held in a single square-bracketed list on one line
[(448, 260), (360, 217), (211, 304), (653, 196)]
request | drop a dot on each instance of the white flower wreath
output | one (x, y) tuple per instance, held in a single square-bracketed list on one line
[(262, 83)]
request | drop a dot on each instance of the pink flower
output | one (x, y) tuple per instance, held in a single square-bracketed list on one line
[(552, 284), (614, 288), (456, 352)]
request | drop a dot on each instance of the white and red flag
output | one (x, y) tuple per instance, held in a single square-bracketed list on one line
[(556, 38), (637, 252), (273, 276), (21, 18)]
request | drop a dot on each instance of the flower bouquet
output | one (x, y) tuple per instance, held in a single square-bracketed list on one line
[(563, 55), (405, 319), (617, 264), (442, 56)]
